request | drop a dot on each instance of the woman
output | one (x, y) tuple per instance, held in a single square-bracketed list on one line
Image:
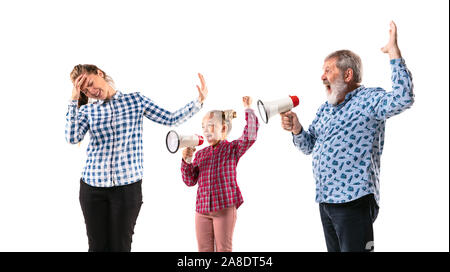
[(110, 186), (214, 170)]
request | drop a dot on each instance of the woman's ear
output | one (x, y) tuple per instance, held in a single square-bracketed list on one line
[(100, 74)]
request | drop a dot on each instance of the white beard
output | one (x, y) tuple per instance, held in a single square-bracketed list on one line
[(338, 90)]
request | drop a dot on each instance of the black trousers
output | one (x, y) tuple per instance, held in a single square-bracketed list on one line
[(348, 227), (110, 215)]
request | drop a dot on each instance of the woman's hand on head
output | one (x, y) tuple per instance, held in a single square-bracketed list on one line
[(77, 86), (247, 100)]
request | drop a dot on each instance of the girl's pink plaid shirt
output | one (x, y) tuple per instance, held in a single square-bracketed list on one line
[(214, 169)]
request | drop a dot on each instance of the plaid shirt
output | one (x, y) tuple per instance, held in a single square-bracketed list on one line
[(347, 140), (214, 169), (114, 154)]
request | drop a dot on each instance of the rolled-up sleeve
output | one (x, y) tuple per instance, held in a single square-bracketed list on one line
[(77, 123)]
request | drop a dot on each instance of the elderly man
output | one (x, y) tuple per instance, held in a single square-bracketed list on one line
[(346, 139)]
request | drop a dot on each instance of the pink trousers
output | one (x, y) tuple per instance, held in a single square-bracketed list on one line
[(215, 228)]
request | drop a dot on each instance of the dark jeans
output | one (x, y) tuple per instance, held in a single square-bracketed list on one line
[(110, 215), (348, 227)]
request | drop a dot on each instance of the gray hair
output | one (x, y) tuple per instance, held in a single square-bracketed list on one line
[(347, 59)]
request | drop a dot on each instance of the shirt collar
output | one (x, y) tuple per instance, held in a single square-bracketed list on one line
[(218, 145), (116, 96)]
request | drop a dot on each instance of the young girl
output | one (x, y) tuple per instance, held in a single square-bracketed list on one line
[(214, 169)]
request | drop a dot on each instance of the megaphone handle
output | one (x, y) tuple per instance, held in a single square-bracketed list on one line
[(291, 120)]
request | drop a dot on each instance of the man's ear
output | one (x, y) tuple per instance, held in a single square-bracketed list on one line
[(348, 75)]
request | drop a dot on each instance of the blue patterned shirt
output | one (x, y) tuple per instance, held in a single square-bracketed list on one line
[(346, 140), (114, 154)]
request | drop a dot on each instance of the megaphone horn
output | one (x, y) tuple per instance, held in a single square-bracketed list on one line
[(175, 141), (269, 109)]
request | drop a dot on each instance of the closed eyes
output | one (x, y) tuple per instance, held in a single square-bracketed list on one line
[(88, 85)]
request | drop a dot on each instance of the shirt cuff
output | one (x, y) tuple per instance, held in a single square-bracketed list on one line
[(197, 103), (184, 164), (73, 102), (299, 137), (397, 62)]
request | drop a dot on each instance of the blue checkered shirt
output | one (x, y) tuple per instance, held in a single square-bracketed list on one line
[(114, 154), (347, 140)]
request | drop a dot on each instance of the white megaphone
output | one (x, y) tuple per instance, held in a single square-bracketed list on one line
[(269, 109), (175, 141)]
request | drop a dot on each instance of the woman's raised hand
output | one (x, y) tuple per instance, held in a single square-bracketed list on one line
[(203, 90)]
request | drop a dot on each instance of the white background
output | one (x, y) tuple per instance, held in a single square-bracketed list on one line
[(265, 49)]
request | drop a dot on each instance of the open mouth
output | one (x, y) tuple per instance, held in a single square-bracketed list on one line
[(327, 85)]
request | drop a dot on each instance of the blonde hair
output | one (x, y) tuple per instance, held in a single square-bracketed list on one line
[(88, 69), (225, 117)]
